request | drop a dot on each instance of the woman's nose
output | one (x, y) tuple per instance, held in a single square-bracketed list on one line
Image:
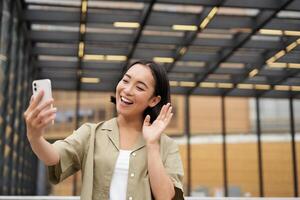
[(128, 89)]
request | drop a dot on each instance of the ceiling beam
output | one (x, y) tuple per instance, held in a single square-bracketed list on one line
[(261, 20), (144, 19), (188, 39)]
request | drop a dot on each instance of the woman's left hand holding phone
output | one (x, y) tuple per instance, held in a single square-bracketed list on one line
[(39, 115)]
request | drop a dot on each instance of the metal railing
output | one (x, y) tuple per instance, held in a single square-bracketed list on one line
[(186, 198)]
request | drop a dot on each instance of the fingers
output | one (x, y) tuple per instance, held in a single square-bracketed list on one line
[(147, 120), (35, 100), (31, 99), (27, 110), (169, 112), (165, 111), (168, 115), (31, 114), (47, 121), (168, 119), (44, 118)]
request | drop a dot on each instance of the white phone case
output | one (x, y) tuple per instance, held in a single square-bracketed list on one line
[(43, 84)]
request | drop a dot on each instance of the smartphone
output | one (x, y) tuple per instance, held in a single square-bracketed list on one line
[(42, 84)]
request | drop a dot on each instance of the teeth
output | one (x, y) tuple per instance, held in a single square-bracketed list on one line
[(125, 100)]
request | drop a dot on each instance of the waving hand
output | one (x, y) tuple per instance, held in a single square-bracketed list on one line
[(152, 132)]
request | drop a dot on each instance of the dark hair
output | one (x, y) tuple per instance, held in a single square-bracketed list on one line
[(162, 87)]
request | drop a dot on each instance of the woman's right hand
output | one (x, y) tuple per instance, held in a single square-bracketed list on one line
[(38, 116)]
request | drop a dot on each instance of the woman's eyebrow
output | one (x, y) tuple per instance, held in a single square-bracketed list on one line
[(143, 83), (127, 75), (137, 81)]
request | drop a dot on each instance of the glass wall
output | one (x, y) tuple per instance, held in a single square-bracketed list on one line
[(17, 163), (241, 146), (276, 148), (176, 126), (241, 143), (206, 147), (296, 103)]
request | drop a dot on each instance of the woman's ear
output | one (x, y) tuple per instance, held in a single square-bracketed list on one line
[(154, 101)]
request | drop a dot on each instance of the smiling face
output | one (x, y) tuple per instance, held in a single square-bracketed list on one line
[(135, 92)]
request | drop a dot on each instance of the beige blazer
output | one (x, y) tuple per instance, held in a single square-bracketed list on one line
[(94, 149)]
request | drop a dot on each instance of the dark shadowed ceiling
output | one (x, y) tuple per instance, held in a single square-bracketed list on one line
[(208, 47)]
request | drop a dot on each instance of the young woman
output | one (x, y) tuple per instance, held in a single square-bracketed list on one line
[(127, 157)]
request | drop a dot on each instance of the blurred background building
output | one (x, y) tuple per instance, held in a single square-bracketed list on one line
[(233, 67)]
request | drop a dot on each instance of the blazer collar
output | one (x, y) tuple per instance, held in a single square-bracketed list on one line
[(113, 133)]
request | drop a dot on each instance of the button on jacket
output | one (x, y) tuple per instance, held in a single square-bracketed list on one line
[(94, 149)]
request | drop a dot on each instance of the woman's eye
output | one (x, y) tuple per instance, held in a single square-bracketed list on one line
[(139, 88), (125, 81)]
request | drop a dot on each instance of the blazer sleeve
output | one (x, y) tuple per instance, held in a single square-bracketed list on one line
[(71, 152), (174, 168)]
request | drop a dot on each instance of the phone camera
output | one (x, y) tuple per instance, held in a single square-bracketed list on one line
[(35, 89), (34, 84)]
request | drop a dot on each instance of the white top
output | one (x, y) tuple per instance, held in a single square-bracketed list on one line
[(118, 186)]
